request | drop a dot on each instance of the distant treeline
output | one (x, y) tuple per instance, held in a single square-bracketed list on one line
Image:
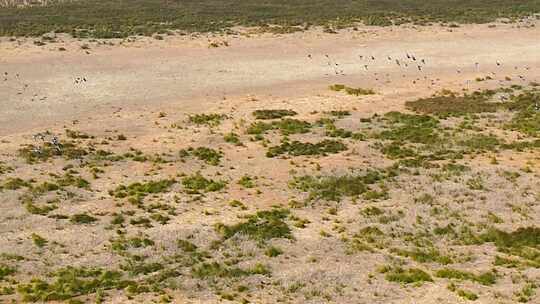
[(121, 18)]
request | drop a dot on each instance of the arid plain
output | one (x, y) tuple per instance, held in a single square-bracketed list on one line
[(373, 165)]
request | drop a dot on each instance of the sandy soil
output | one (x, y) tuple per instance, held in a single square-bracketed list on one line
[(184, 73)]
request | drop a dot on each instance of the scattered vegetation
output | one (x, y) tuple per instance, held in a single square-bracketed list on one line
[(406, 276), (196, 183), (351, 91), (210, 120), (297, 148), (100, 19), (261, 227), (334, 188), (208, 155), (273, 114)]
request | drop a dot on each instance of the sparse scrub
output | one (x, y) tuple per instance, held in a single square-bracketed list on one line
[(297, 148), (273, 114), (261, 227), (351, 91), (196, 183), (208, 155), (211, 120), (407, 276), (334, 188)]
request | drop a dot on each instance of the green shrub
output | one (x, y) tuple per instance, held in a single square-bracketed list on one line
[(208, 155), (487, 278), (407, 276), (6, 270), (82, 218), (410, 128), (523, 242), (351, 91), (232, 138), (450, 104), (38, 240), (297, 148), (247, 181), (334, 188), (211, 120), (286, 126), (261, 227), (142, 189), (70, 282), (15, 183), (273, 114), (196, 183)]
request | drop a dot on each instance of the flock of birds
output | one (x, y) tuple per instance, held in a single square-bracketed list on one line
[(409, 61), (413, 68)]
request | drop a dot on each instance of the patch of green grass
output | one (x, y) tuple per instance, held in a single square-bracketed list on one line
[(410, 128), (481, 143), (372, 211), (273, 114), (286, 126), (82, 218), (450, 104), (124, 243), (523, 242), (5, 168), (140, 190), (196, 183), (334, 188), (486, 278), (527, 120), (397, 150), (15, 183), (469, 295), (69, 283), (261, 226), (38, 240), (208, 155), (232, 138), (290, 126), (247, 181), (5, 271), (34, 209), (527, 292), (407, 276), (210, 120), (297, 148), (351, 91)]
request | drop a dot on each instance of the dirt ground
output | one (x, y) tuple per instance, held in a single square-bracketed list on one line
[(186, 74), (136, 100)]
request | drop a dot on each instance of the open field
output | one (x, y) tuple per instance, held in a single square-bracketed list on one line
[(371, 165), (101, 18)]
